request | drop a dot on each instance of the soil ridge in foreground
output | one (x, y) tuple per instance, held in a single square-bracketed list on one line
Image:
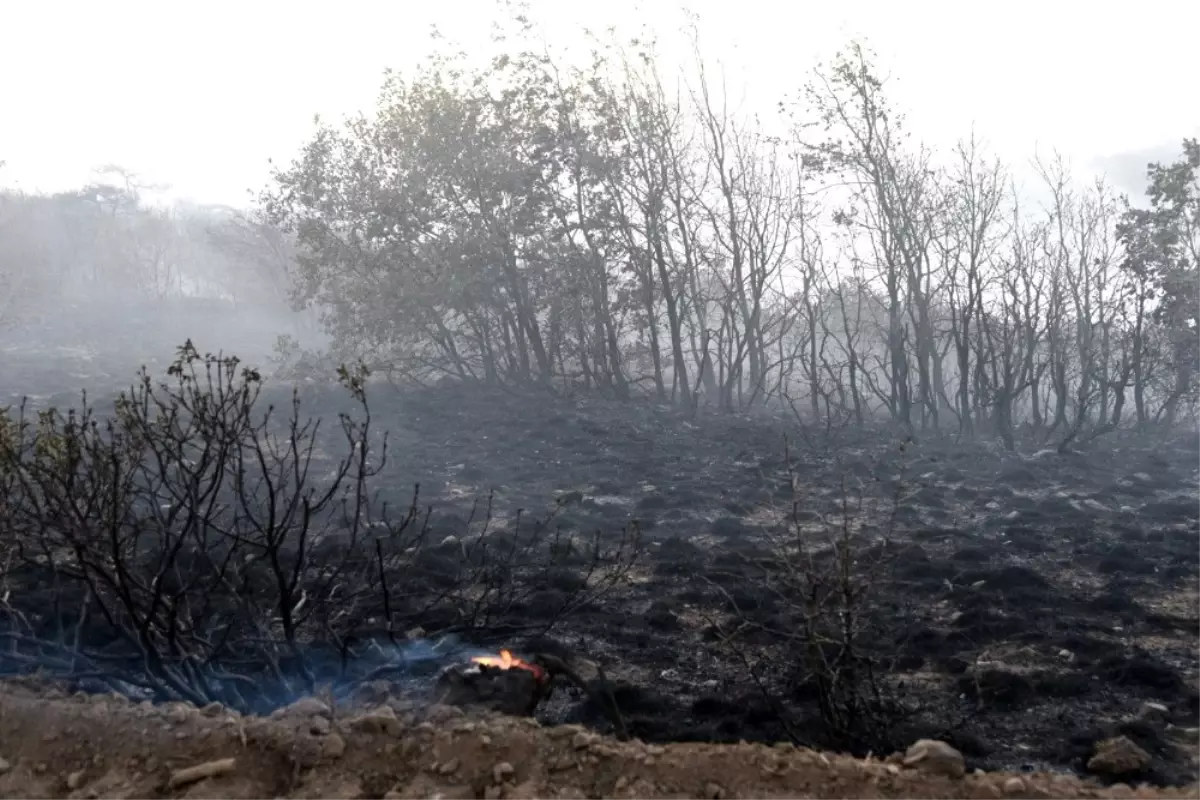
[(55, 745)]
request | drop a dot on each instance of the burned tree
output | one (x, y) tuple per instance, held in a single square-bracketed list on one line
[(199, 546)]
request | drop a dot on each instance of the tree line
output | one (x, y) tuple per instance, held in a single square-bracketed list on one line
[(608, 228), (107, 243), (611, 228)]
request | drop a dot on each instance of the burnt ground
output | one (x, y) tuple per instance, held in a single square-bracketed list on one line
[(1031, 604), (1032, 601)]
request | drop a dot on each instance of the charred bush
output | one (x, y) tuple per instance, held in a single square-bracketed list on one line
[(997, 688), (828, 644), (195, 545)]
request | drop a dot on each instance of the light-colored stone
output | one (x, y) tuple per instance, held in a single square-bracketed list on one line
[(502, 772), (563, 731), (1014, 785), (179, 713), (936, 757), (5, 765), (333, 746), (1118, 756), (714, 791), (304, 707), (75, 780), (379, 720)]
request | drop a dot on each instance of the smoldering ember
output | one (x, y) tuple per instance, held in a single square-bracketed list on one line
[(550, 391)]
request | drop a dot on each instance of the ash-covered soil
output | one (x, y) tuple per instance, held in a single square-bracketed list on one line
[(1033, 604), (95, 746)]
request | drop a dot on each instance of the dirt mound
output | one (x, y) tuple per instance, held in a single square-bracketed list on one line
[(52, 745)]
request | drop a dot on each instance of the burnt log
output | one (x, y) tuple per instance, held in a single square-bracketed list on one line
[(516, 691), (516, 687)]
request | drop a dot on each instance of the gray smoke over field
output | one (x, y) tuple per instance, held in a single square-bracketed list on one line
[(97, 282), (408, 667)]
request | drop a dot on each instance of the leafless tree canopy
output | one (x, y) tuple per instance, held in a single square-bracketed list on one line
[(615, 228), (610, 228)]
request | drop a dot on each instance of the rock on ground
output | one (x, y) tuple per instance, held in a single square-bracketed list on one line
[(1118, 757)]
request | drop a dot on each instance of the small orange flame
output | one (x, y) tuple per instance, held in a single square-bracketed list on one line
[(506, 660)]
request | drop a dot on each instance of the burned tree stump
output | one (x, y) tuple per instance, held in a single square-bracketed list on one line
[(505, 684), (514, 686)]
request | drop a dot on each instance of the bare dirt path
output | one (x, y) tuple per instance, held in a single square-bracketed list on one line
[(53, 745)]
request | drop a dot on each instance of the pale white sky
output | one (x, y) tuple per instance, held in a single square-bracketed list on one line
[(200, 95)]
